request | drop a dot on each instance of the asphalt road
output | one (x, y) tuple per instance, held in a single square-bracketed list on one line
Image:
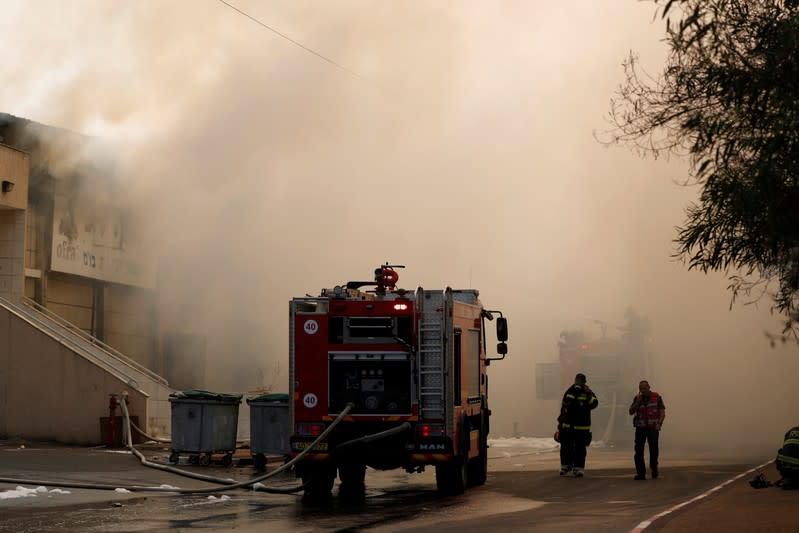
[(523, 493)]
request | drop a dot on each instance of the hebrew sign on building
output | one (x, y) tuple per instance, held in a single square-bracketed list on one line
[(96, 239)]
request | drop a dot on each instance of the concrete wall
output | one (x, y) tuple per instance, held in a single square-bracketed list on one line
[(47, 392), (12, 243), (129, 314), (131, 323), (14, 168)]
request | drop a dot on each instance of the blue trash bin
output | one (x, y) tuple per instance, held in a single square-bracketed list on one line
[(269, 427), (204, 423)]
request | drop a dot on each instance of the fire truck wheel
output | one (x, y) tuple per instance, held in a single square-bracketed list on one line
[(352, 475), (318, 481), (478, 466), (478, 469), (451, 477), (352, 488), (205, 459)]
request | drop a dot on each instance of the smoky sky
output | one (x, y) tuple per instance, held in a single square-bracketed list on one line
[(463, 148)]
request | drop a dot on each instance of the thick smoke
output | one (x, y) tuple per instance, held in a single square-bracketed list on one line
[(463, 148)]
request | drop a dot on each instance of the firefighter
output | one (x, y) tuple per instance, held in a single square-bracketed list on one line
[(788, 460), (648, 413), (574, 426)]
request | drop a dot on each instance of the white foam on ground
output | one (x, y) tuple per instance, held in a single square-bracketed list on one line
[(22, 492), (528, 443)]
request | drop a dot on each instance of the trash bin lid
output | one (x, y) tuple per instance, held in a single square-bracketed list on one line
[(270, 397), (207, 395)]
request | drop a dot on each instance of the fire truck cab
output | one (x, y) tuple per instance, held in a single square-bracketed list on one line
[(408, 372)]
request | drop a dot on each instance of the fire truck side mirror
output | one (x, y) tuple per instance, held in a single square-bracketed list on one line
[(502, 329), (502, 348)]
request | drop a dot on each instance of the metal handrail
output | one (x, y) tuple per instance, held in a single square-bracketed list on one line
[(109, 350), (49, 328)]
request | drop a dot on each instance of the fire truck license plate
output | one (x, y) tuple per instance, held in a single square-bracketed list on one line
[(321, 447)]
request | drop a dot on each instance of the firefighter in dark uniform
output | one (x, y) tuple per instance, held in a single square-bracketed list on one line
[(574, 426), (788, 459)]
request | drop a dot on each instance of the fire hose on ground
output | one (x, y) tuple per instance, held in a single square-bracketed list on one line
[(405, 426), (148, 437), (229, 484)]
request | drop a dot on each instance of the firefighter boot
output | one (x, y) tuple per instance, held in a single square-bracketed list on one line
[(565, 469), (578, 472)]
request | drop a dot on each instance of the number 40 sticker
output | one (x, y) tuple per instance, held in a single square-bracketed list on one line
[(310, 327), (310, 400)]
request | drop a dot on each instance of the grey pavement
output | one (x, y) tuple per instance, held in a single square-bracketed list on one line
[(118, 467), (734, 507)]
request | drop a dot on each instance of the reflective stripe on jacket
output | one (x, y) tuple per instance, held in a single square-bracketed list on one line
[(648, 415), (789, 454), (575, 411)]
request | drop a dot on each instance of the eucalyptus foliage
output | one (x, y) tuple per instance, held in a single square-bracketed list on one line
[(728, 99)]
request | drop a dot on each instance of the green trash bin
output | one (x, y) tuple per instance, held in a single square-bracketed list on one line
[(269, 427), (204, 423)]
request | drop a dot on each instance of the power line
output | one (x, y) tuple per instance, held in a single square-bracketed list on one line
[(317, 54)]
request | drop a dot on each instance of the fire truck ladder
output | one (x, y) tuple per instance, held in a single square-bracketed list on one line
[(431, 355)]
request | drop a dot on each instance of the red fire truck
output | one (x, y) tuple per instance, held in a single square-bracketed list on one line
[(401, 375)]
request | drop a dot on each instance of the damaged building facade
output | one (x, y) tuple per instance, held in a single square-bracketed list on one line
[(79, 307)]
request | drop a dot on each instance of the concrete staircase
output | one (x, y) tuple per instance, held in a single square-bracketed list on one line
[(133, 375)]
